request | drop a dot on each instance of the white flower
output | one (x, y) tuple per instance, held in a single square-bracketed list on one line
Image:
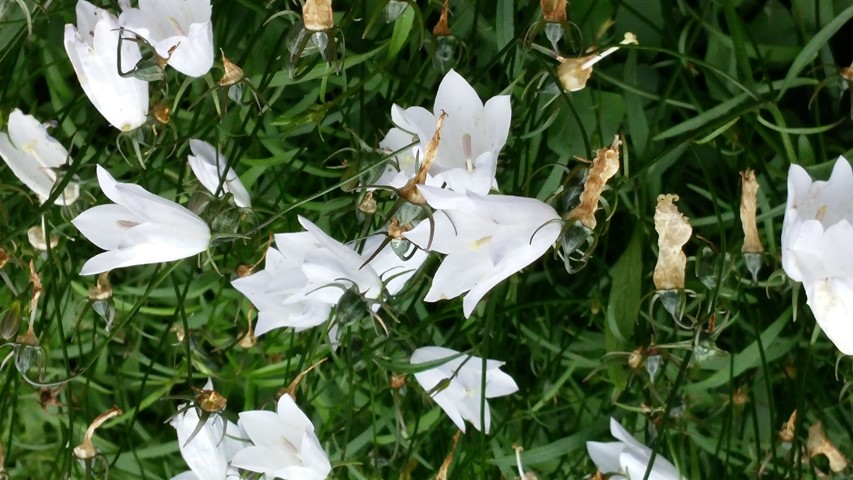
[(471, 138), (285, 445), (139, 228), (393, 270), (461, 379), (92, 47), (486, 239), (180, 24), (207, 164), (32, 154), (401, 167), (816, 239), (304, 276), (629, 457), (210, 451)]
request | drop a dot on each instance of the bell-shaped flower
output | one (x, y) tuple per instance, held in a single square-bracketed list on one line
[(486, 239), (284, 444), (208, 452), (629, 458), (32, 155), (457, 384), (208, 164), (304, 276), (92, 47), (403, 166), (180, 31), (395, 269), (139, 228), (472, 135), (816, 235)]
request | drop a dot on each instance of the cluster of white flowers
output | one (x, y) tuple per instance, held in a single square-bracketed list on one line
[(449, 156), (180, 32), (279, 444), (816, 233)]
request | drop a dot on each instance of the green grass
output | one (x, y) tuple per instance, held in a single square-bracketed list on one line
[(713, 87)]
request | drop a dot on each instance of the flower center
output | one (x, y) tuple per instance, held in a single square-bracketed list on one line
[(821, 213), (126, 224), (466, 150), (174, 23), (477, 244)]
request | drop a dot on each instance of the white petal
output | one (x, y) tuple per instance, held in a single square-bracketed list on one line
[(141, 229), (122, 101), (831, 301), (104, 225), (606, 455), (207, 164), (205, 453), (31, 153), (184, 28), (266, 460)]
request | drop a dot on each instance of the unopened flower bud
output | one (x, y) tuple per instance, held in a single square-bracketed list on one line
[(368, 205), (786, 434), (604, 166), (442, 28), (752, 248), (317, 15), (102, 289), (398, 381), (674, 231), (553, 11), (393, 10), (636, 359), (37, 239), (11, 322), (233, 73), (161, 113)]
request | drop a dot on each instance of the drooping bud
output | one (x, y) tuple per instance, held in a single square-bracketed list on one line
[(368, 204), (553, 10), (36, 237), (752, 248), (233, 73), (393, 9), (575, 72), (11, 322), (102, 289), (442, 28), (317, 15), (604, 166), (786, 433), (673, 232), (86, 450), (398, 380), (160, 111)]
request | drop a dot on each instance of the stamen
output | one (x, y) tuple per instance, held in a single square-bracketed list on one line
[(126, 224), (466, 150)]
